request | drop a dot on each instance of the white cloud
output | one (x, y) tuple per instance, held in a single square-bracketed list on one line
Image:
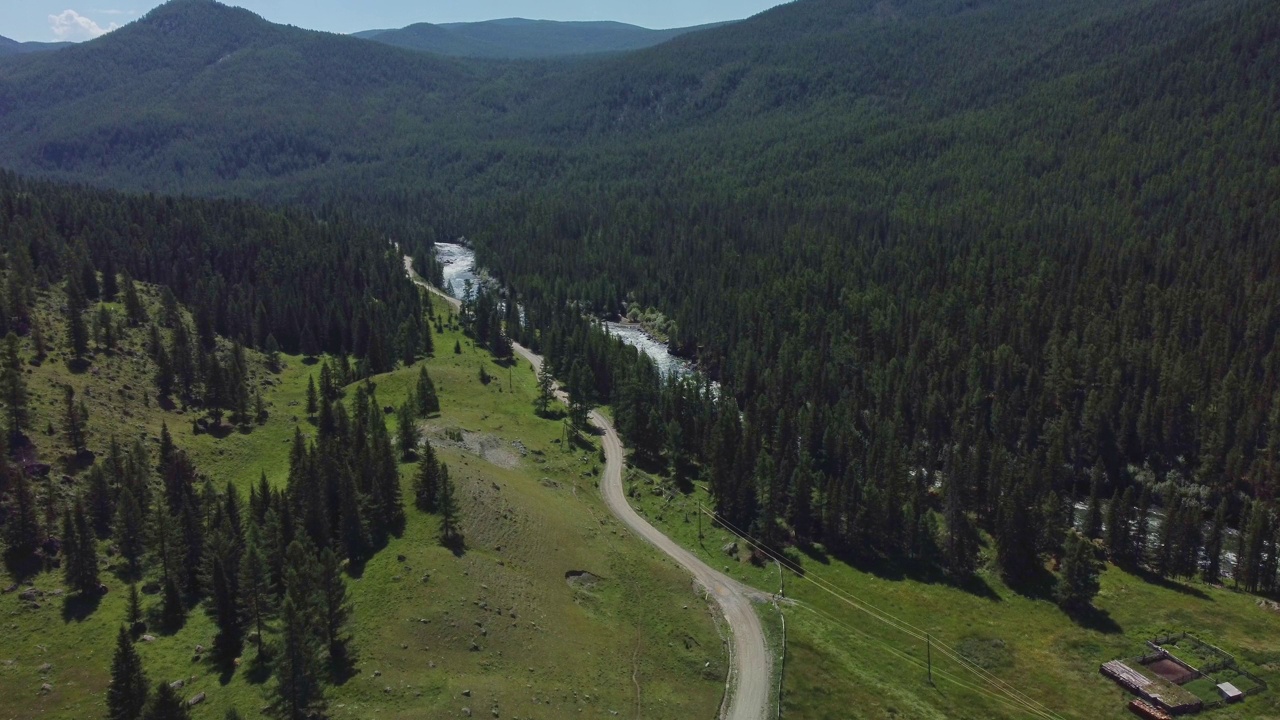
[(71, 25)]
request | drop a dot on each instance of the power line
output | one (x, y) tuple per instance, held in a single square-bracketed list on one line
[(1016, 695)]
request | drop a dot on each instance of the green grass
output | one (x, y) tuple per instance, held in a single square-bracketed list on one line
[(640, 642), (844, 663)]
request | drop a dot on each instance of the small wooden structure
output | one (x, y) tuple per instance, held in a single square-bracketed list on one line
[(1162, 694), (1230, 692), (1144, 709)]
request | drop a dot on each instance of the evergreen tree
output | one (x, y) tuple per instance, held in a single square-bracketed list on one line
[(166, 705), (299, 661), (426, 481), (80, 551), (226, 614), (129, 530), (960, 547), (546, 390), (1079, 582), (1212, 572), (406, 431), (1093, 512), (448, 507), (1117, 538), (77, 332), (22, 531), (14, 387), (99, 502), (133, 307), (127, 693), (334, 606), (312, 406), (133, 612), (73, 419), (255, 586), (425, 393), (457, 347)]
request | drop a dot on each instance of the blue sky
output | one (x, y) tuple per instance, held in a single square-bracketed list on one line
[(76, 20)]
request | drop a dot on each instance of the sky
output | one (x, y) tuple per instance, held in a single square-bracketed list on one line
[(77, 20)]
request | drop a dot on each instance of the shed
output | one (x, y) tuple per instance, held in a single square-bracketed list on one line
[(1230, 692)]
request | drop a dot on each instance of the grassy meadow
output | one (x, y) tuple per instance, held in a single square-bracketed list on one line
[(501, 630), (842, 662)]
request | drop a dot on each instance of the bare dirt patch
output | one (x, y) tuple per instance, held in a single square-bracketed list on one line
[(490, 448)]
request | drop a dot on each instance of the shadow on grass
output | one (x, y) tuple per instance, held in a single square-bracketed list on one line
[(78, 607), (920, 571), (22, 566), (355, 567), (78, 366), (456, 544), (1164, 582), (342, 663), (258, 670), (1092, 618)]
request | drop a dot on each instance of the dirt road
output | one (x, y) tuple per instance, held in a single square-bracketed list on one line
[(748, 692)]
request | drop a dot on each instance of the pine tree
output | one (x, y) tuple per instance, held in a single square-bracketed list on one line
[(546, 390), (428, 401), (448, 506), (312, 405), (1079, 582), (406, 431), (133, 611), (127, 693), (426, 481), (255, 586), (79, 551), (1117, 527), (77, 332), (14, 387), (334, 605), (961, 543), (226, 614), (1093, 513), (298, 692), (99, 502), (133, 308), (22, 531), (1213, 544), (457, 347), (129, 530), (166, 705), (73, 421)]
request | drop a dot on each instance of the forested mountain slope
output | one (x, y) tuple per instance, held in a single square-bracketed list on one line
[(972, 256), (13, 47), (519, 38)]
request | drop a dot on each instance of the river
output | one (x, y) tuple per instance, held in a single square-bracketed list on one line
[(459, 263)]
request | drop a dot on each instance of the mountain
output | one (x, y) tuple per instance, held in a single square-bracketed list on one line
[(13, 47), (519, 38)]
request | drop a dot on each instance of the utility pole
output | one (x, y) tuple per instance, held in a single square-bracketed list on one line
[(928, 639)]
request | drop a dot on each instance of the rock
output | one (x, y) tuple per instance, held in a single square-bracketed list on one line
[(731, 549), (30, 595), (401, 558), (45, 668), (377, 673), (466, 693), (196, 700), (199, 649), (11, 588), (466, 712), (475, 646), (387, 689), (148, 638), (178, 684), (45, 689)]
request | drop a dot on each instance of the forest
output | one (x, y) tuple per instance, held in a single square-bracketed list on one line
[(956, 266)]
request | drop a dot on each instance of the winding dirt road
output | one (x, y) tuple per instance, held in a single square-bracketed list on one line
[(747, 695)]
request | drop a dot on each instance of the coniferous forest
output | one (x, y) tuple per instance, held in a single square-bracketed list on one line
[(958, 274)]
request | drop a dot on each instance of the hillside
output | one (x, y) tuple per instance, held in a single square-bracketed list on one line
[(125, 412), (13, 47), (515, 38)]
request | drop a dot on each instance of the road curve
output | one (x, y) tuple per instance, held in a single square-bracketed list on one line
[(747, 695)]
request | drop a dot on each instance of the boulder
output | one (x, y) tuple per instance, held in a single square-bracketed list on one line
[(199, 698), (730, 549)]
